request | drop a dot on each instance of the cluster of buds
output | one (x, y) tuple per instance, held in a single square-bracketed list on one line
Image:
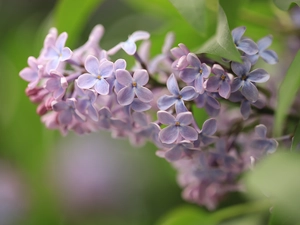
[(85, 91)]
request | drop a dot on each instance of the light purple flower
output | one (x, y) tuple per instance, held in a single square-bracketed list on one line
[(262, 143), (246, 79), (244, 44), (205, 135), (269, 56), (245, 107), (220, 82), (96, 76), (85, 104), (133, 86), (177, 127), (56, 84), (178, 96), (129, 46), (196, 73), (66, 111), (57, 52), (180, 53), (32, 74), (179, 150), (119, 64), (106, 120), (207, 101)]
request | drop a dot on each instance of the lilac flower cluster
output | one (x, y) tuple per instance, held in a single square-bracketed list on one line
[(84, 90)]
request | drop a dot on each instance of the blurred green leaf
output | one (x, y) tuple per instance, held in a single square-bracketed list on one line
[(195, 12), (232, 8), (285, 4), (278, 178), (222, 43), (71, 16), (200, 115), (287, 93), (296, 138), (187, 215)]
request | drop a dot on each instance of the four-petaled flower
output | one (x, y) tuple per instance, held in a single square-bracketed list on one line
[(133, 86), (32, 74), (269, 56), (220, 82), (246, 78), (244, 44), (178, 97), (205, 135), (57, 84), (177, 127), (129, 46), (57, 52), (196, 73), (98, 72)]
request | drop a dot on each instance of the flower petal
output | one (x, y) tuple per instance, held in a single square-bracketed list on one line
[(188, 75), (123, 77), (245, 109), (241, 69), (249, 91), (120, 64), (180, 107), (193, 60), (86, 81), (248, 46), (174, 154), (139, 106), (28, 74), (236, 84), (61, 41), (184, 118), (265, 42), (217, 69), (165, 118), (169, 134), (209, 127), (237, 33), (141, 77), (269, 56), (92, 65), (65, 117), (166, 101), (66, 54), (172, 85), (102, 87), (139, 35), (188, 133), (125, 95), (129, 47), (261, 130), (258, 76), (144, 94), (106, 68), (213, 83), (199, 84), (225, 89)]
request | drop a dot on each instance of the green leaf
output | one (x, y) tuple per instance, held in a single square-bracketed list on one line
[(296, 138), (186, 215), (72, 15), (285, 4), (195, 12), (278, 178), (222, 43), (286, 94)]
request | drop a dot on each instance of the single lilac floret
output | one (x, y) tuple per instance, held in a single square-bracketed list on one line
[(133, 86), (85, 104), (177, 127), (196, 73), (205, 135), (96, 76), (57, 53), (66, 111), (262, 143), (209, 102), (178, 96), (220, 82), (244, 44), (32, 74), (246, 79), (129, 46), (269, 56), (57, 84), (180, 53)]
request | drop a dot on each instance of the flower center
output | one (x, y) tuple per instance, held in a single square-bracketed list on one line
[(244, 77), (177, 123), (200, 71), (223, 77), (99, 77), (134, 84), (179, 97)]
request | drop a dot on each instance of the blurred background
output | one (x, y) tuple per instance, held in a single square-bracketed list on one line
[(92, 179)]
